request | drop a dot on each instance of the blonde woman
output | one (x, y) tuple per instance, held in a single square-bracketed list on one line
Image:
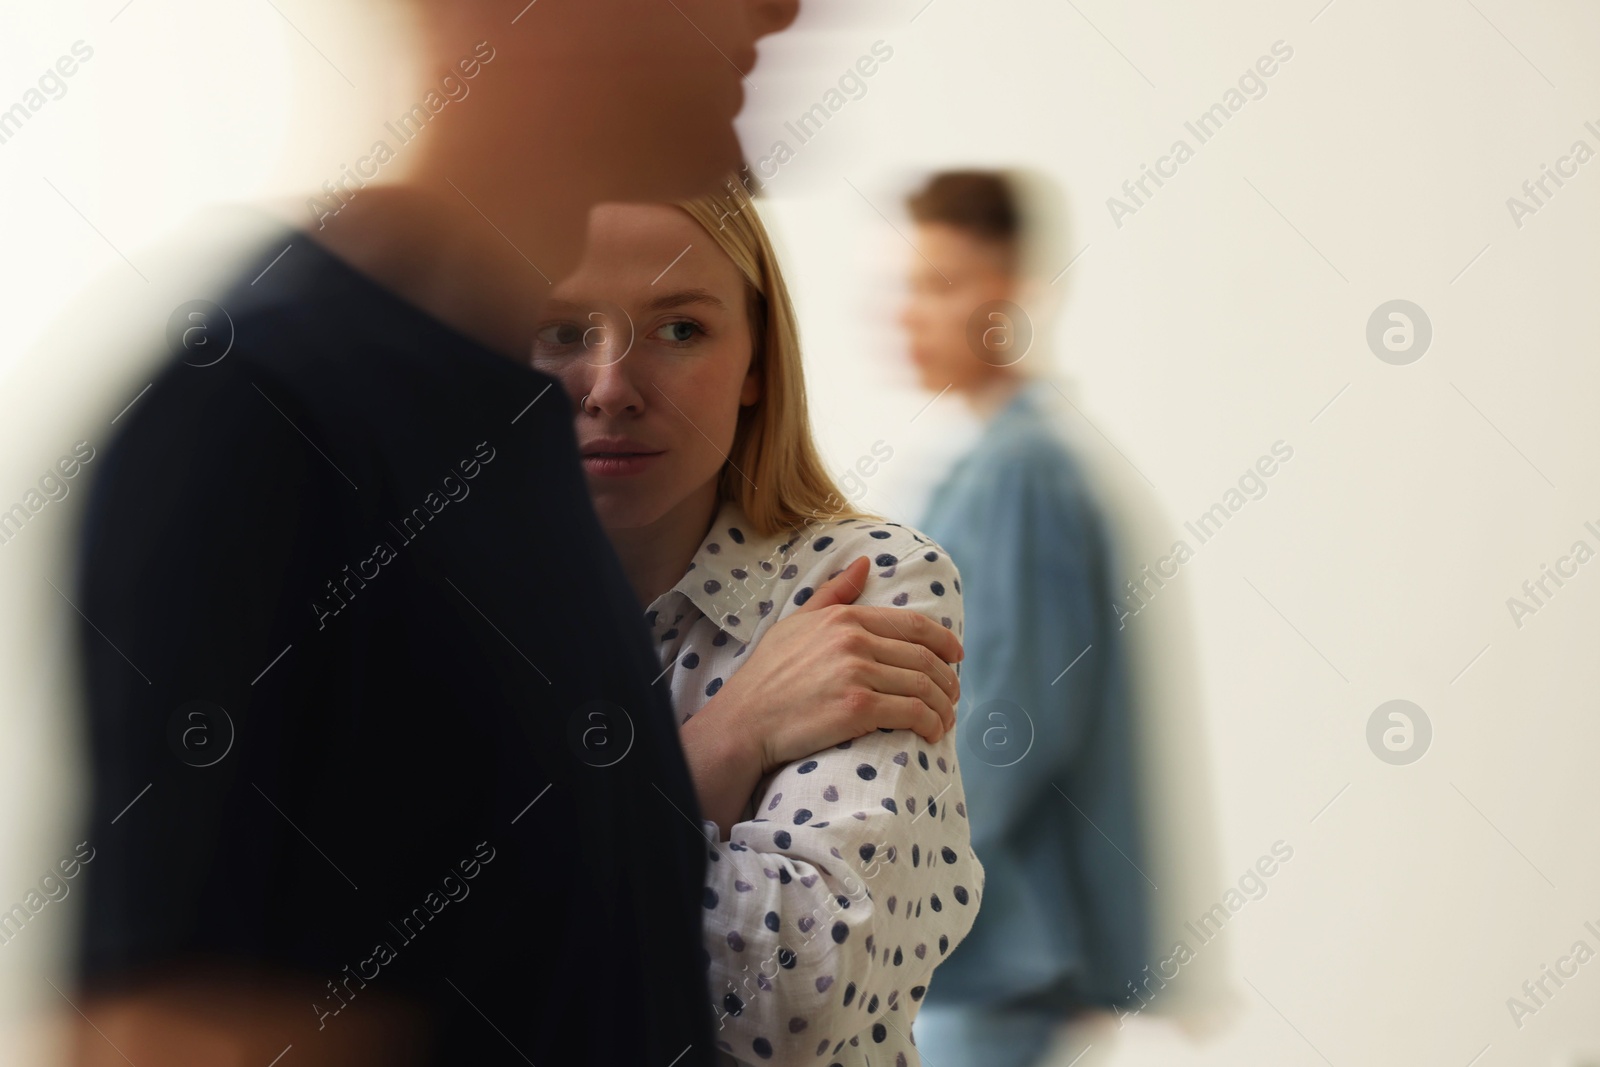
[(841, 871)]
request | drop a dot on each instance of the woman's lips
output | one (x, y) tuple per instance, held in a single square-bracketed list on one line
[(618, 464)]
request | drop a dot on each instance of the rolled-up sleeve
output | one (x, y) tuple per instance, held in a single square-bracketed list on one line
[(828, 909)]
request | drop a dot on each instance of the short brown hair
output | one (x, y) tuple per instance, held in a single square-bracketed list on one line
[(984, 203), (1019, 210)]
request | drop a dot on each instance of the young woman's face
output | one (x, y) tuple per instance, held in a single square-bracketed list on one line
[(654, 330)]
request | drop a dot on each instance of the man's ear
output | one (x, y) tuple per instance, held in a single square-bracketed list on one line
[(1037, 297)]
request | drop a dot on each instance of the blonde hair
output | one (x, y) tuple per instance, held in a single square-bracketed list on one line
[(774, 471)]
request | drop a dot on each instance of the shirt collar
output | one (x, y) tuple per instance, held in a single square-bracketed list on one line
[(730, 577), (1028, 396)]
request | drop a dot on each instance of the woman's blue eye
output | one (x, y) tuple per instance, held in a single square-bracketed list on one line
[(678, 332)]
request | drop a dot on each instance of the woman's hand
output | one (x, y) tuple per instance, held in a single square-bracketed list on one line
[(829, 672), (832, 671)]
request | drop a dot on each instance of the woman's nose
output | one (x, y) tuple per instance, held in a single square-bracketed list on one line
[(611, 387)]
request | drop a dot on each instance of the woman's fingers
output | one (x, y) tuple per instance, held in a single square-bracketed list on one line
[(842, 588), (913, 683), (862, 667), (903, 624), (914, 657), (884, 711)]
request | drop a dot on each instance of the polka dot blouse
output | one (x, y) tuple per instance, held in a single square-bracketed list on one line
[(850, 875)]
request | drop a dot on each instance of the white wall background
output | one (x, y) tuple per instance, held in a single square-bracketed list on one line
[(1227, 313)]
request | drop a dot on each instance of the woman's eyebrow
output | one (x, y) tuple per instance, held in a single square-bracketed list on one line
[(680, 297)]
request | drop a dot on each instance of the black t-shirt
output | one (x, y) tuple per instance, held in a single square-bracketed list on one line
[(369, 697)]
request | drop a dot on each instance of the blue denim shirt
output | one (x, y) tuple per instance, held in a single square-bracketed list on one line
[(1044, 722)]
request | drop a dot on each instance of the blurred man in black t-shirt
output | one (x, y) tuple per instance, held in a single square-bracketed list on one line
[(379, 772)]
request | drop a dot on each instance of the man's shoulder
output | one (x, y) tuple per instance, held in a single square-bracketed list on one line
[(1028, 439), (1026, 458), (266, 290), (281, 337), (249, 304)]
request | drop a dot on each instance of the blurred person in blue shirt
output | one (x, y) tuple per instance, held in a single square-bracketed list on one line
[(1048, 741)]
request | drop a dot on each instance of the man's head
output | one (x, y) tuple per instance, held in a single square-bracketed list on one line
[(628, 99), (976, 245)]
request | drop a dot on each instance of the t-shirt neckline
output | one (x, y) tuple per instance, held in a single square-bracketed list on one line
[(452, 337)]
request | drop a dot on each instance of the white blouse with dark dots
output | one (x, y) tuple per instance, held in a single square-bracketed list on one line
[(850, 875)]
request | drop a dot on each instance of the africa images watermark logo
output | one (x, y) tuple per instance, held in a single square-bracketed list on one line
[(51, 86), (1252, 85), (1538, 590), (452, 888), (1399, 332), (1536, 991), (1538, 191), (452, 88), (342, 590), (1250, 887), (1139, 592), (1399, 732)]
